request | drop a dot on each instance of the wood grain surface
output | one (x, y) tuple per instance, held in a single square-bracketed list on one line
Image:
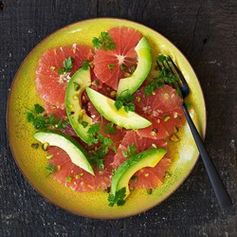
[(206, 31)]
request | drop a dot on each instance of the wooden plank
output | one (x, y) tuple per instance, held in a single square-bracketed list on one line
[(206, 32)]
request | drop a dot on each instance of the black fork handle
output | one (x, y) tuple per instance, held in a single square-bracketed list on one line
[(219, 188)]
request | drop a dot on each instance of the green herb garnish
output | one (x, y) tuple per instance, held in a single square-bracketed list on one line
[(42, 121), (76, 86), (131, 150), (84, 124), (165, 77), (118, 198), (50, 169), (149, 191), (104, 144), (104, 41), (126, 101), (85, 65), (67, 66), (38, 109), (109, 128), (111, 66)]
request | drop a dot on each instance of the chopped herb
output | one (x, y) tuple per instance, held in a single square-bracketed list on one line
[(104, 41), (61, 71), (118, 104), (50, 169), (68, 179), (41, 121), (109, 128), (149, 191), (94, 129), (134, 178), (30, 117), (118, 198), (38, 109), (67, 66), (126, 101), (161, 58), (165, 77), (131, 150), (35, 145), (111, 66), (76, 86), (105, 143), (84, 124), (123, 67), (85, 65), (188, 105)]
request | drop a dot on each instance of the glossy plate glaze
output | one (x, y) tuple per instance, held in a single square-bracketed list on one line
[(32, 162)]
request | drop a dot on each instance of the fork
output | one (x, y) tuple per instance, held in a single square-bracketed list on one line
[(181, 84)]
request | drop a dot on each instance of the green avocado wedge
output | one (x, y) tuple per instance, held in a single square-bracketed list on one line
[(78, 118), (128, 85), (105, 106), (147, 158), (70, 146)]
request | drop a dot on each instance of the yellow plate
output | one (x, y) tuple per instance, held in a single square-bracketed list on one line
[(32, 162)]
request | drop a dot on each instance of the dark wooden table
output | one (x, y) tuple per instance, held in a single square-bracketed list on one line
[(206, 31)]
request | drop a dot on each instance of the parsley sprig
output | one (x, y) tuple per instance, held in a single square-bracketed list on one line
[(50, 169), (41, 121), (131, 150), (67, 66), (165, 77), (109, 128), (104, 41), (126, 101), (118, 198), (104, 144)]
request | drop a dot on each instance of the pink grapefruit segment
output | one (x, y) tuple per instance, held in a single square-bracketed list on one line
[(50, 85), (76, 178), (109, 64), (146, 177), (163, 108)]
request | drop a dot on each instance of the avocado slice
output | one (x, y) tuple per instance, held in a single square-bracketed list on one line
[(70, 146), (122, 175), (78, 118), (128, 85), (105, 106)]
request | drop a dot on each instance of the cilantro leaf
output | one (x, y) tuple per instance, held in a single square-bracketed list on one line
[(109, 128), (85, 65), (42, 121), (131, 150), (118, 198), (50, 169), (68, 63), (67, 66), (104, 144), (84, 124), (118, 104), (30, 117), (38, 109), (104, 41), (94, 129), (126, 101)]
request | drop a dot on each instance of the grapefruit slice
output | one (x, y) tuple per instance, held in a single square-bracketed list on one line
[(163, 108), (146, 177), (76, 178), (112, 65), (50, 85)]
